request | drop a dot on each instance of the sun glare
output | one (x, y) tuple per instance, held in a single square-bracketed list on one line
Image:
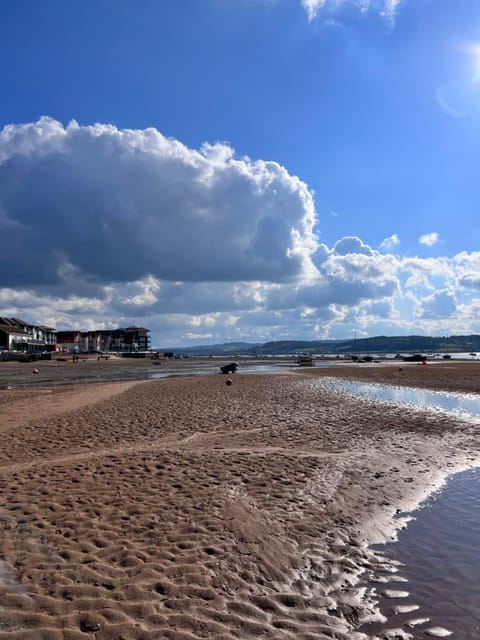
[(474, 51)]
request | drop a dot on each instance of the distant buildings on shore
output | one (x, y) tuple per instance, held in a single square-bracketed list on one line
[(18, 335)]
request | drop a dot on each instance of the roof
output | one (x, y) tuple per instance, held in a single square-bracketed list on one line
[(9, 329), (19, 324)]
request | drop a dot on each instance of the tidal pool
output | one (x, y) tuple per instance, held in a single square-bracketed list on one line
[(433, 589), (210, 368), (438, 567), (461, 404)]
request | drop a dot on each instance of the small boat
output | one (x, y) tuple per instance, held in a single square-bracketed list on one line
[(229, 368), (305, 360), (416, 357)]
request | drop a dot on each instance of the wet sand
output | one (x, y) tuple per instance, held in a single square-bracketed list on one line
[(89, 370), (453, 375), (185, 508)]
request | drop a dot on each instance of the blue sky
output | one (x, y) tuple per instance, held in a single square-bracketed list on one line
[(223, 170)]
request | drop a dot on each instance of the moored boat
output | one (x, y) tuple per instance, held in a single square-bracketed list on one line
[(305, 360), (415, 357)]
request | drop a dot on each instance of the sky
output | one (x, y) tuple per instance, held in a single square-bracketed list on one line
[(241, 170)]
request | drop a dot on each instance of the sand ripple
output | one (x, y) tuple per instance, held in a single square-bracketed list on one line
[(185, 509)]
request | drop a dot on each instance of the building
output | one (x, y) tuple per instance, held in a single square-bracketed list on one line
[(122, 340), (18, 335), (127, 340), (72, 341)]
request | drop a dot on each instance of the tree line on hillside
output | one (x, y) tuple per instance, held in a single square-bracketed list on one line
[(374, 345)]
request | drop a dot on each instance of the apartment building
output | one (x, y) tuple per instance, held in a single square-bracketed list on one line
[(19, 336), (121, 340), (24, 337)]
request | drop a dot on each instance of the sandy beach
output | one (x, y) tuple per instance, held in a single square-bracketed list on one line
[(184, 508)]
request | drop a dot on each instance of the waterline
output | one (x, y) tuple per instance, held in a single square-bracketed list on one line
[(439, 563), (461, 404), (433, 589)]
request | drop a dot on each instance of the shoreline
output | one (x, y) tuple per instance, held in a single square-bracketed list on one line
[(183, 508), (447, 375)]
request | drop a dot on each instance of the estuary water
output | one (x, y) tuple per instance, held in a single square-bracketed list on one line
[(460, 404), (434, 589)]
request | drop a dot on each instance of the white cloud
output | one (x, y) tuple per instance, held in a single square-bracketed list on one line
[(351, 245), (390, 242), (198, 336), (390, 9), (439, 305), (468, 316), (97, 204), (312, 7), (428, 267), (468, 270), (108, 227), (366, 291), (429, 239), (380, 309), (470, 281), (347, 274), (386, 8), (428, 273)]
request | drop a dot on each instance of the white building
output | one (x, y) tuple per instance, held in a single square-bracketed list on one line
[(17, 335)]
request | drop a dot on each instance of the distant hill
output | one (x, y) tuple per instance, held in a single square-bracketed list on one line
[(227, 348), (376, 345)]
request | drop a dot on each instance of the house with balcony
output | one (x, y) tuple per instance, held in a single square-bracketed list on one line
[(19, 336), (24, 337), (122, 340)]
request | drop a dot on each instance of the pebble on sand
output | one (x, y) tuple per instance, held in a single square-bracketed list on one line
[(228, 382), (392, 593), (438, 632)]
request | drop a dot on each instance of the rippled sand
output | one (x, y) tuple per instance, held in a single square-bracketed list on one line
[(186, 508)]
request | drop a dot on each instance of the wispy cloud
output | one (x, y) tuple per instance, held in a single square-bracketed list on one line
[(312, 7), (429, 239), (386, 8), (390, 9), (390, 242)]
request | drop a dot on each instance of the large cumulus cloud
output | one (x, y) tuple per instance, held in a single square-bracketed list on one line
[(102, 227), (439, 305), (468, 265), (118, 205), (347, 274)]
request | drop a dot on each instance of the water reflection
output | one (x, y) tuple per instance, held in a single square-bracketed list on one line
[(437, 591), (206, 369), (440, 562), (460, 403)]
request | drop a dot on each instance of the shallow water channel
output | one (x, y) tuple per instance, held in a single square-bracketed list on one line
[(461, 404), (435, 591), (214, 368)]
